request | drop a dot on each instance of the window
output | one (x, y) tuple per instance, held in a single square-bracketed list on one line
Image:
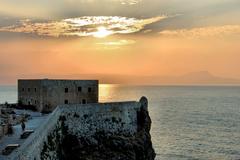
[(29, 89), (84, 101), (89, 89), (23, 89), (66, 90), (35, 89), (79, 89), (35, 102), (66, 101)]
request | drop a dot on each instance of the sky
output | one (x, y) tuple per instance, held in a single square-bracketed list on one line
[(134, 38)]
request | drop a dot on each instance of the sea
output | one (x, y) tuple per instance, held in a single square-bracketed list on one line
[(188, 122)]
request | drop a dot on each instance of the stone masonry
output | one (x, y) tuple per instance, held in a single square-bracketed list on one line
[(46, 94), (82, 128)]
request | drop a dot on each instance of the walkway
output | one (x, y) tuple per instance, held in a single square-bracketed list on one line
[(31, 124)]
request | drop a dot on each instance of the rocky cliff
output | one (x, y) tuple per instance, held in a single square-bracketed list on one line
[(111, 131)]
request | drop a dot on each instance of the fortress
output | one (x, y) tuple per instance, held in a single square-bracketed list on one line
[(97, 131), (46, 94), (115, 131)]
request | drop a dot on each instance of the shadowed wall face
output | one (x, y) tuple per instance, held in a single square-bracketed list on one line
[(46, 95)]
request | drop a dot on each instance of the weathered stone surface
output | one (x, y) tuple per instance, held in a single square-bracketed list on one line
[(45, 95), (111, 131)]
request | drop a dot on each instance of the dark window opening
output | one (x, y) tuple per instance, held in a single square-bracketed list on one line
[(35, 89), (28, 89), (89, 89), (35, 102), (66, 101), (84, 101), (29, 103), (66, 90), (47, 106), (79, 89), (23, 89)]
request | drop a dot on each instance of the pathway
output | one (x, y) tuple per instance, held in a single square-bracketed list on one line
[(31, 124)]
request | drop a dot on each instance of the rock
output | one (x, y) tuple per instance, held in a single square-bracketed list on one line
[(105, 146)]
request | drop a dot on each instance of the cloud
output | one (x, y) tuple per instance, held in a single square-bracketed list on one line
[(123, 2), (147, 31), (212, 31), (83, 26), (114, 44), (129, 2), (122, 42)]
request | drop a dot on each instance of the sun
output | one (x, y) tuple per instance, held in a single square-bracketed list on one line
[(102, 32)]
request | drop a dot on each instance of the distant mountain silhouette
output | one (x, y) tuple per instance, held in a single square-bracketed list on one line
[(202, 77), (193, 78)]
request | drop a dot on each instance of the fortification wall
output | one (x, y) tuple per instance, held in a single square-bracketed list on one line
[(32, 147), (81, 121), (77, 92), (29, 92), (110, 117), (46, 94)]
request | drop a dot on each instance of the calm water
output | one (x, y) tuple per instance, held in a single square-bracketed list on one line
[(201, 123)]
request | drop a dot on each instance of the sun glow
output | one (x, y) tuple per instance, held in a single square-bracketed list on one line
[(96, 26), (102, 32), (106, 91)]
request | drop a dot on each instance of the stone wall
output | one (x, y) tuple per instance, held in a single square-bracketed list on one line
[(109, 117), (29, 92), (47, 94), (54, 92), (81, 121)]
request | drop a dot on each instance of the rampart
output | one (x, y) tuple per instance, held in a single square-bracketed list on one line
[(81, 120)]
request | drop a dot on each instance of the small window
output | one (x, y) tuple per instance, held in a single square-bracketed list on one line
[(79, 89), (66, 90), (35, 102), (23, 89), (35, 89), (89, 89), (84, 101), (66, 101), (29, 89)]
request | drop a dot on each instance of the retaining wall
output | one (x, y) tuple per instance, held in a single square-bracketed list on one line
[(83, 120)]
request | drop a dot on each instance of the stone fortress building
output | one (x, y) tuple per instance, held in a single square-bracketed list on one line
[(47, 94), (80, 128)]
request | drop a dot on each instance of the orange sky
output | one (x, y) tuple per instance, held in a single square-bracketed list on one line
[(146, 46)]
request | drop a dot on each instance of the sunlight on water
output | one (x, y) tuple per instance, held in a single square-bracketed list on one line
[(106, 91), (115, 92)]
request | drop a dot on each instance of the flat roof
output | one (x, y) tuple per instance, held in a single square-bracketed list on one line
[(46, 79)]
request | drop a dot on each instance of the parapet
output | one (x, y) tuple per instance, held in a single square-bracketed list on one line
[(121, 118)]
